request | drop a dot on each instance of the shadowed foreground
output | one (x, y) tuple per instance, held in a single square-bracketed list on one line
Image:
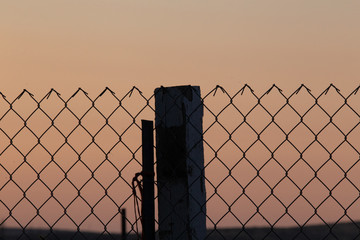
[(344, 231)]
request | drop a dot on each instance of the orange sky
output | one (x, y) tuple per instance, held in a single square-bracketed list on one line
[(92, 44), (120, 43)]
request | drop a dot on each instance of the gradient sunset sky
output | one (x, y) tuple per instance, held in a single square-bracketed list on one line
[(120, 43), (93, 44)]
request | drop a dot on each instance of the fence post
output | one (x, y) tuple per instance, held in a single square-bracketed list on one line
[(180, 163), (123, 224), (148, 206)]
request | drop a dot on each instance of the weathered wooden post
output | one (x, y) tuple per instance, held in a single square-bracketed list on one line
[(180, 163)]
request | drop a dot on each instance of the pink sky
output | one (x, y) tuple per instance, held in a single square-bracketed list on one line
[(93, 44)]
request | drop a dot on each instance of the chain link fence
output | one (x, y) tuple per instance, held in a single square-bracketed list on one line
[(272, 161)]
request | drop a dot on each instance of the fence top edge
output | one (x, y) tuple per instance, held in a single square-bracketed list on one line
[(149, 94)]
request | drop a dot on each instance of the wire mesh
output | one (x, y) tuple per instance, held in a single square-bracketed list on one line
[(271, 160)]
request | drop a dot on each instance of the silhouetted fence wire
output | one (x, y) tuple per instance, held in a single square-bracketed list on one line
[(271, 160)]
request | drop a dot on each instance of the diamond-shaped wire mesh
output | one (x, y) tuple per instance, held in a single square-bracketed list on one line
[(68, 164), (282, 161), (271, 160)]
